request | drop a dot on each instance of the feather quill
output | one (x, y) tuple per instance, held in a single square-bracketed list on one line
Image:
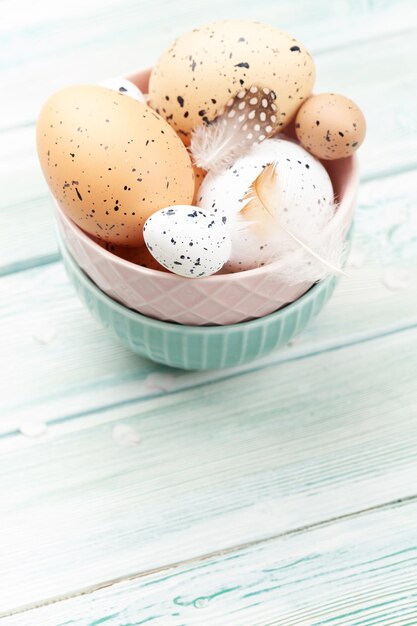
[(264, 201), (248, 118)]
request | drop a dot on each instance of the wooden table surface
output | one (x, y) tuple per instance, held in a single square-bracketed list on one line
[(282, 493)]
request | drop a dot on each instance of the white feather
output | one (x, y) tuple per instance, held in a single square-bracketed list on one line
[(264, 211), (298, 266), (244, 122), (294, 264), (216, 146)]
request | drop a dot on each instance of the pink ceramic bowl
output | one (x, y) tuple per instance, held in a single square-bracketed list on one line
[(220, 299)]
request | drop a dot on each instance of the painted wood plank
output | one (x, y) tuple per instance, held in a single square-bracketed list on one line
[(236, 461), (60, 363), (348, 71), (25, 194), (91, 510), (387, 16), (66, 43), (80, 368), (358, 571)]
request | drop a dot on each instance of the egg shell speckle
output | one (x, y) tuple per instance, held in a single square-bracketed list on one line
[(111, 161), (193, 80), (307, 200), (188, 241), (330, 126)]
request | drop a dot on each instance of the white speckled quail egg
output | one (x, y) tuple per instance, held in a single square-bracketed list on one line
[(124, 87), (188, 241), (307, 201)]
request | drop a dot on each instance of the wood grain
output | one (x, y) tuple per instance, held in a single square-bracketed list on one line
[(279, 494), (63, 43), (84, 370), (353, 572), (236, 461)]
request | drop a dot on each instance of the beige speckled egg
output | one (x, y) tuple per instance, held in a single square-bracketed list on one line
[(197, 75), (330, 126), (111, 161)]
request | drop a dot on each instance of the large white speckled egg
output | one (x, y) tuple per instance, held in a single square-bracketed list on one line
[(307, 201), (188, 241), (193, 80)]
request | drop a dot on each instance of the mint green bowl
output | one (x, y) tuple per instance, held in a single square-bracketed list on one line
[(198, 347)]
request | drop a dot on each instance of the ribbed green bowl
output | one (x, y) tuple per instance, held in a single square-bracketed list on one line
[(198, 347)]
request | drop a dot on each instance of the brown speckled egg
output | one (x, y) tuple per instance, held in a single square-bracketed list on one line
[(330, 126), (197, 75), (111, 161)]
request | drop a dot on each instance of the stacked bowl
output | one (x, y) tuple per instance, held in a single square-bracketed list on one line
[(217, 321)]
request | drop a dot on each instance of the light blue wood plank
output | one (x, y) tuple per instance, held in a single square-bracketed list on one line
[(240, 459), (83, 369), (354, 572), (60, 43), (236, 461)]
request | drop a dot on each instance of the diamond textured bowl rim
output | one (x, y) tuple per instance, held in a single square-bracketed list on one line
[(244, 295), (192, 329), (197, 347), (348, 201)]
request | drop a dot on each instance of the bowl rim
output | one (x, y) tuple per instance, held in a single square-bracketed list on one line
[(288, 309), (347, 201)]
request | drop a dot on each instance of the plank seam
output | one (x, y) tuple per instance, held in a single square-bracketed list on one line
[(223, 375), (314, 51), (392, 504), (29, 264)]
